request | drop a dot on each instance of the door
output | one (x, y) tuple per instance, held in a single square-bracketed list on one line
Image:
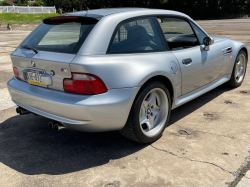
[(198, 66)]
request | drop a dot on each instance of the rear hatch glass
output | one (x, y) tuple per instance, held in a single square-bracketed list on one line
[(56, 42), (61, 34)]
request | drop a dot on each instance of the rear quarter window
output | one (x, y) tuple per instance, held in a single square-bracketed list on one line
[(59, 37), (136, 36)]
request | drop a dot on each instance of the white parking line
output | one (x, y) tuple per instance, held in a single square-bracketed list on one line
[(5, 100), (5, 58)]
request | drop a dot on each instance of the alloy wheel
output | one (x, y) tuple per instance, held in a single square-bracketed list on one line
[(240, 68), (154, 112)]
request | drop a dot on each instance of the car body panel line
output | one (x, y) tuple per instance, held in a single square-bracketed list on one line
[(200, 91)]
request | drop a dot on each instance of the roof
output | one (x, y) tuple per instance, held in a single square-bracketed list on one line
[(98, 13)]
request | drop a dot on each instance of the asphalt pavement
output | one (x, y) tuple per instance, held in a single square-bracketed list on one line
[(207, 143)]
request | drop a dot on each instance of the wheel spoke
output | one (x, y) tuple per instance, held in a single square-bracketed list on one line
[(156, 120), (151, 122), (155, 113), (146, 103), (152, 99), (240, 72), (236, 74), (156, 107), (142, 112)]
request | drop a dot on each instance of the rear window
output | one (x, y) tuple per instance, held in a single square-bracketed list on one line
[(61, 37)]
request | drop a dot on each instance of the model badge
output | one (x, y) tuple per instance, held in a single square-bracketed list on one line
[(65, 70), (33, 64)]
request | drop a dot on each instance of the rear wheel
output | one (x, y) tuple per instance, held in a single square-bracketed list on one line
[(149, 114), (239, 70)]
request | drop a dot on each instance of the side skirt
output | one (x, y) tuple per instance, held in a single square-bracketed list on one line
[(200, 91)]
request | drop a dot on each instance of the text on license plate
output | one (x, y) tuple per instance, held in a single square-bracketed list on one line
[(34, 77)]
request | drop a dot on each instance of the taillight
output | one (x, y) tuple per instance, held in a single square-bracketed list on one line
[(16, 73), (82, 83)]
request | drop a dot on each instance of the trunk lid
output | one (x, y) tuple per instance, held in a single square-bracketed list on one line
[(47, 61)]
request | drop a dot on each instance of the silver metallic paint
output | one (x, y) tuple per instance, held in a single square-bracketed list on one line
[(47, 61), (123, 75), (198, 73), (104, 112)]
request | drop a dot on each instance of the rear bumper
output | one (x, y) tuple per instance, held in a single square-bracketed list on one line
[(104, 112)]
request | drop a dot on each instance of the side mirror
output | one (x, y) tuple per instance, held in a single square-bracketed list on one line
[(207, 42)]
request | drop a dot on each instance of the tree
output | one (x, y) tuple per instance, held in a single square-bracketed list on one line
[(21, 2), (197, 9), (37, 3), (5, 3)]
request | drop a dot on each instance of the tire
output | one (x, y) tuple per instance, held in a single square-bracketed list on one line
[(148, 116), (240, 62)]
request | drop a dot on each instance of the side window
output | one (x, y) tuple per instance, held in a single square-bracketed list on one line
[(178, 33), (201, 35), (138, 35)]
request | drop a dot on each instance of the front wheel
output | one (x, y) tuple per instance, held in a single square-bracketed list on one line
[(239, 70), (149, 114)]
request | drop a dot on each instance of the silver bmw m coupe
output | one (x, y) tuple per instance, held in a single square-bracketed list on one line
[(120, 69)]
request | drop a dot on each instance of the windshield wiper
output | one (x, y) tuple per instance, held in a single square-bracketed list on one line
[(30, 48)]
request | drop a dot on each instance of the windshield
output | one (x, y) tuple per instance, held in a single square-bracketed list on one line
[(59, 37)]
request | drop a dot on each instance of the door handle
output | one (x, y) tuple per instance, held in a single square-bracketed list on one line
[(187, 61)]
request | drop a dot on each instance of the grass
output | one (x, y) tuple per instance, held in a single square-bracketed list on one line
[(18, 18)]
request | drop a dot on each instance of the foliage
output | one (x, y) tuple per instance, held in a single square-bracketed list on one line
[(18, 18), (197, 9), (5, 3), (21, 2), (37, 3)]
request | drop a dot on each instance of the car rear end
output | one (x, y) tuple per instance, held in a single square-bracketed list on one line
[(44, 84)]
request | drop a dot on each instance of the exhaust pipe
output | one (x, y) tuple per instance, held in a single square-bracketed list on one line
[(51, 125), (56, 126), (22, 111), (59, 127)]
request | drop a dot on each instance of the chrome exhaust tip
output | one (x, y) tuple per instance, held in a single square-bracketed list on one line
[(59, 127), (56, 126)]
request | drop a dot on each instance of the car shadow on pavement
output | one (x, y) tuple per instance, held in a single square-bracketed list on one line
[(195, 104), (29, 147)]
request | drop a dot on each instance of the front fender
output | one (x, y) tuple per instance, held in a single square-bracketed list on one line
[(237, 46), (229, 59)]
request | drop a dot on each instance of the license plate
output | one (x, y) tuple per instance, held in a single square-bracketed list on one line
[(34, 77)]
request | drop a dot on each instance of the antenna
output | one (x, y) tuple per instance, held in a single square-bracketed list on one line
[(85, 6)]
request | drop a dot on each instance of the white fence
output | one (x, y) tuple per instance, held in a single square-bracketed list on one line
[(28, 9)]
